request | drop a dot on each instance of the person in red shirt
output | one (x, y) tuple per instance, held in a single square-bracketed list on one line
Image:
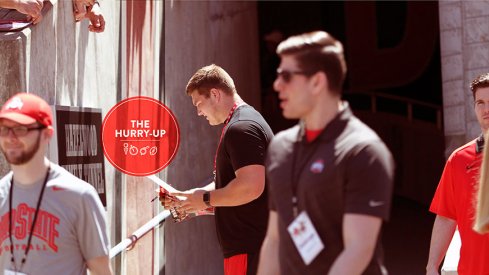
[(454, 200)]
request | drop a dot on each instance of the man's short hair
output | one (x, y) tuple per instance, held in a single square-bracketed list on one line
[(317, 51), (209, 77), (481, 81)]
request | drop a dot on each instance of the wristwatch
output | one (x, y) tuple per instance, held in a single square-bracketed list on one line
[(207, 199)]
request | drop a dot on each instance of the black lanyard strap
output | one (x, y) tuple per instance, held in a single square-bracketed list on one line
[(10, 223), (296, 173)]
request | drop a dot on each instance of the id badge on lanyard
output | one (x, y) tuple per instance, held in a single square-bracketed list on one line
[(305, 237)]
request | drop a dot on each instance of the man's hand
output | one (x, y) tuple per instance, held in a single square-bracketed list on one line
[(167, 201), (79, 8), (91, 10), (32, 8), (97, 21), (194, 200)]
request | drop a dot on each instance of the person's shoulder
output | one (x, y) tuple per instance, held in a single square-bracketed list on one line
[(61, 179), (248, 114), (359, 140), (362, 131), (467, 146), (464, 151), (287, 136), (359, 135), (249, 119)]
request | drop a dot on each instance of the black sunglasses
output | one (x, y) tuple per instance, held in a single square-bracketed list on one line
[(287, 75), (19, 131)]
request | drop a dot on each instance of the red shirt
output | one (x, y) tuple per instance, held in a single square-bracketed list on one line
[(312, 134), (455, 199)]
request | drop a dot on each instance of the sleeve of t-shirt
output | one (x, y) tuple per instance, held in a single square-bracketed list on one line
[(246, 144), (91, 226), (369, 184), (443, 203)]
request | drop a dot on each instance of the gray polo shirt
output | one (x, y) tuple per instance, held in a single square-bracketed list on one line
[(346, 169)]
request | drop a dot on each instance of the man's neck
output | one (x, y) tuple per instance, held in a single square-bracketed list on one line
[(323, 113), (228, 104), (31, 172)]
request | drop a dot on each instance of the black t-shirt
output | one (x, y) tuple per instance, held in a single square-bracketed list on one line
[(241, 229), (347, 169)]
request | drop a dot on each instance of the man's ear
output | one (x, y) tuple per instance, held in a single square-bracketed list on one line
[(49, 132), (319, 81), (215, 94)]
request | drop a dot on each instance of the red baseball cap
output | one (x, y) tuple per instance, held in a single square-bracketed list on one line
[(26, 109)]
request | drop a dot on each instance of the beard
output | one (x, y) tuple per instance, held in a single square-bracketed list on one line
[(24, 156)]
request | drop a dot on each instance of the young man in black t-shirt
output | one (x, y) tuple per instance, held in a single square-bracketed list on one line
[(330, 177), (238, 192)]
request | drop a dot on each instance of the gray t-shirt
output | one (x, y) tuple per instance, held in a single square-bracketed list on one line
[(70, 228)]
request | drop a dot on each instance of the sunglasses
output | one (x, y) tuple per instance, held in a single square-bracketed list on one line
[(18, 131), (287, 75)]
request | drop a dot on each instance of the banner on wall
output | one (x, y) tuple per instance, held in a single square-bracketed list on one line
[(77, 145)]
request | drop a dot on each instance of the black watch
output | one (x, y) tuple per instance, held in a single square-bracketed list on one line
[(207, 199)]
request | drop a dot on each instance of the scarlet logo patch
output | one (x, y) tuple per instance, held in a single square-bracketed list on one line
[(317, 166), (56, 188)]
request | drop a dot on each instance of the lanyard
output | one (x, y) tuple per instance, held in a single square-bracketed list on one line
[(295, 175), (230, 115), (10, 224)]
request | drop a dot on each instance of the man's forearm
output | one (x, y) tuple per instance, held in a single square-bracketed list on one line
[(269, 264), (351, 261), (269, 259), (8, 4), (235, 193), (442, 234)]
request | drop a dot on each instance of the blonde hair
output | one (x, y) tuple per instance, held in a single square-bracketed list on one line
[(481, 224)]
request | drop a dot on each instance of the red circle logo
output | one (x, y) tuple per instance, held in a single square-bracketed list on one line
[(140, 136)]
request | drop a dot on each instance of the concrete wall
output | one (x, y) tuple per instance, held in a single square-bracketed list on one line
[(464, 40), (64, 63), (197, 34)]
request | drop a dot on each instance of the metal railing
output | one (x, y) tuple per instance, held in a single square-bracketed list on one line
[(378, 102), (130, 241)]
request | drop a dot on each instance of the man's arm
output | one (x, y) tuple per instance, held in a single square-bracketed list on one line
[(360, 233), (96, 18), (442, 234), (32, 8), (99, 266), (246, 187), (269, 263)]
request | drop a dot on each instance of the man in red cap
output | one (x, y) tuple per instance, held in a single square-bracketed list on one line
[(51, 222)]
